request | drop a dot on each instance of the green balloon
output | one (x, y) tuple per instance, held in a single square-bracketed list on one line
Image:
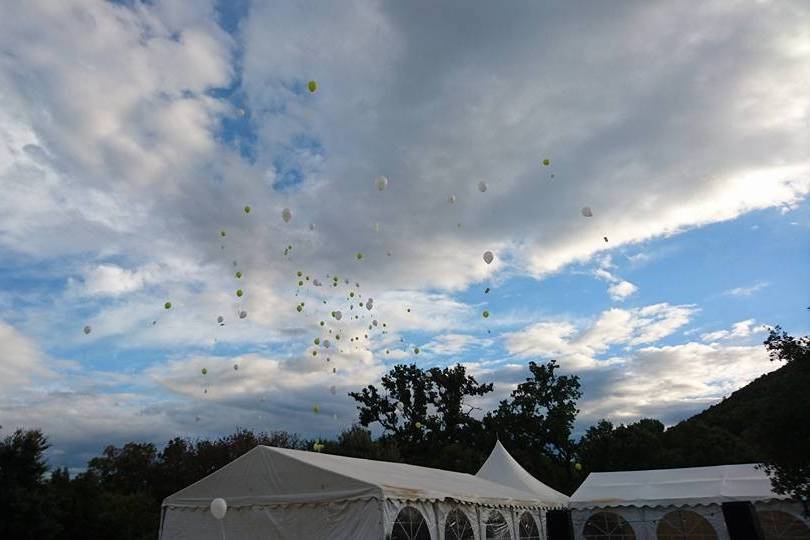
[(416, 350), (222, 233), (167, 305), (299, 309), (239, 275), (204, 371), (317, 341), (312, 85), (486, 314), (239, 293), (247, 209), (546, 162)]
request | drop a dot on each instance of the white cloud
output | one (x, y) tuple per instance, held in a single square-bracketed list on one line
[(449, 344), (621, 290), (741, 329), (746, 291), (21, 360), (578, 346)]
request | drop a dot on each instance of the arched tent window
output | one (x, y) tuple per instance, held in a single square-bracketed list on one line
[(607, 526), (527, 527), (410, 525), (458, 527), (778, 525), (685, 525), (497, 528)]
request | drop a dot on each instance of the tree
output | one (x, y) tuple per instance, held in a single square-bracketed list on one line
[(635, 446), (536, 422), (427, 413), (786, 438), (24, 509)]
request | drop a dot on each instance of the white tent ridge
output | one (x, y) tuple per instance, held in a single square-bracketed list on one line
[(675, 487), (502, 468)]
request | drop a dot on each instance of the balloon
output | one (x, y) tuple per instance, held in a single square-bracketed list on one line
[(286, 215), (416, 350), (204, 371), (369, 303), (236, 367), (578, 466), (312, 86), (359, 256), (222, 233), (338, 315), (87, 330), (167, 305), (374, 322), (299, 309), (451, 199), (546, 162), (317, 341), (326, 343), (241, 113), (218, 508), (311, 226), (488, 257), (239, 293), (220, 319), (332, 389), (418, 425), (605, 237), (485, 314), (239, 275), (587, 212), (316, 409), (381, 182), (242, 314), (247, 209), (482, 186)]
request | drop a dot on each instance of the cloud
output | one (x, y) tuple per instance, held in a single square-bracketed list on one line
[(450, 344), (670, 382), (746, 291), (621, 290), (578, 345), (741, 329), (21, 360)]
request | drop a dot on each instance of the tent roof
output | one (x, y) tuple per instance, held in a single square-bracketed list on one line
[(678, 487), (502, 468), (268, 475)]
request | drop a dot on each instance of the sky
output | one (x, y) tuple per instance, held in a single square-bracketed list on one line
[(133, 134)]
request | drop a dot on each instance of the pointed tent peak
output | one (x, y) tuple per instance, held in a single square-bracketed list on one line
[(502, 468)]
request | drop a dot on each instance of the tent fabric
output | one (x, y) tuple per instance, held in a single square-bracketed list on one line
[(678, 487), (267, 475), (502, 468)]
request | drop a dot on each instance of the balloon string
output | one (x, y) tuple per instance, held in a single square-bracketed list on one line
[(222, 528)]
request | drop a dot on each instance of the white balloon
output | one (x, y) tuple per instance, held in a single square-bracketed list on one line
[(488, 257), (218, 508), (370, 303), (242, 314), (311, 226), (286, 215), (482, 186), (87, 329), (452, 199), (327, 343), (220, 319), (382, 182), (338, 315), (587, 212)]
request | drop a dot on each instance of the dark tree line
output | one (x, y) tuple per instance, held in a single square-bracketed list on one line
[(432, 417)]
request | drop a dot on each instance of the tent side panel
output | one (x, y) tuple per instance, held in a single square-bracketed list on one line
[(358, 519)]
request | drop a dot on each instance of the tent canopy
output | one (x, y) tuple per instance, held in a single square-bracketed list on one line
[(268, 475), (502, 468), (676, 487)]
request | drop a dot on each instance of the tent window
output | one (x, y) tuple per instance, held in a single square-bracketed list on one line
[(777, 525), (458, 527), (410, 525), (607, 526), (528, 527), (685, 525), (497, 529)]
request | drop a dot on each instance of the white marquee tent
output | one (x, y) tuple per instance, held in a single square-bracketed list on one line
[(274, 493), (502, 468), (682, 503)]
